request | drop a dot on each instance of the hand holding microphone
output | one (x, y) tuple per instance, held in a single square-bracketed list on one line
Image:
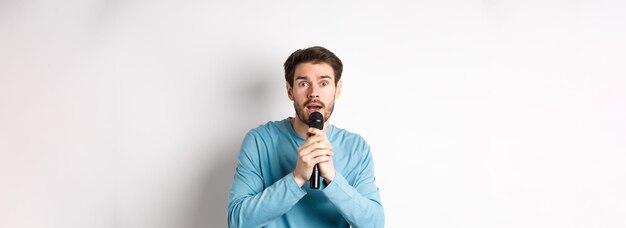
[(315, 155)]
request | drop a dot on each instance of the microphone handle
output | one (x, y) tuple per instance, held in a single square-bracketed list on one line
[(316, 120), (315, 178)]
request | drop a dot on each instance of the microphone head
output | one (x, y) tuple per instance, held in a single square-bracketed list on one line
[(316, 120)]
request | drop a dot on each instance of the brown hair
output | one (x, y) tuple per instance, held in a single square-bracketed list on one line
[(313, 55)]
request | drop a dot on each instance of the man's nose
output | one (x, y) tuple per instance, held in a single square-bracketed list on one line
[(314, 93)]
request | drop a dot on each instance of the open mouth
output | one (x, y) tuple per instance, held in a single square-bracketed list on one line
[(314, 107)]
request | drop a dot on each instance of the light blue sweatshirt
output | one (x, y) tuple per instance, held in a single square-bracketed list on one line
[(264, 192)]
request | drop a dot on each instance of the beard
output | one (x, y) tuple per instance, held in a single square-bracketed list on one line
[(326, 110)]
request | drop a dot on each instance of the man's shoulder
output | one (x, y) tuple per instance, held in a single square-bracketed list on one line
[(346, 135), (350, 142), (270, 128)]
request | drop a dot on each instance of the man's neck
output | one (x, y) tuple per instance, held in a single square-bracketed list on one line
[(301, 128)]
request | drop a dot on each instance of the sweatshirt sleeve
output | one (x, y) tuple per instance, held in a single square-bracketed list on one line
[(250, 204), (360, 204)]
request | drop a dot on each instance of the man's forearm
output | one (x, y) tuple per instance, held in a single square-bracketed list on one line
[(246, 210), (358, 210)]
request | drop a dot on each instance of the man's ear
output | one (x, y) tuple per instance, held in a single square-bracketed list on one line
[(289, 91), (338, 90)]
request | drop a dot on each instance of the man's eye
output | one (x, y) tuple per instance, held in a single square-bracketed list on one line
[(303, 84), (324, 83)]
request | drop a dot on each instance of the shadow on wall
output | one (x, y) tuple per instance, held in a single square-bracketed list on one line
[(250, 101), (213, 199)]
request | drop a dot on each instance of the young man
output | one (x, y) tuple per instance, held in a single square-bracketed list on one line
[(270, 187)]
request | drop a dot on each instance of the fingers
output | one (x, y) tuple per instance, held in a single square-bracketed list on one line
[(306, 149), (319, 159), (315, 146), (315, 131), (305, 163), (304, 166), (315, 150), (315, 154), (317, 136)]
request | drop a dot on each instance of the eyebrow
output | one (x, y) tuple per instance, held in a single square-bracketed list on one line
[(304, 78)]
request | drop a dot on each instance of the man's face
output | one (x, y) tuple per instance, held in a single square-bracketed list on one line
[(313, 90)]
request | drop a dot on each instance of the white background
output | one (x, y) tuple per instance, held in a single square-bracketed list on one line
[(489, 113)]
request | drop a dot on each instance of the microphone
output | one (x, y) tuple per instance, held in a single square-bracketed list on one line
[(316, 120)]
